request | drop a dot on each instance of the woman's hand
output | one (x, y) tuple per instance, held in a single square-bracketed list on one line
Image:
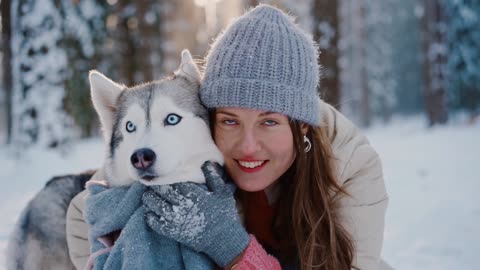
[(202, 217)]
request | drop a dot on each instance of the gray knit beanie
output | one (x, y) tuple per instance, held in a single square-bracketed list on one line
[(264, 61)]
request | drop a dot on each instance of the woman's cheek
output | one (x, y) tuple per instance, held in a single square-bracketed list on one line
[(220, 140)]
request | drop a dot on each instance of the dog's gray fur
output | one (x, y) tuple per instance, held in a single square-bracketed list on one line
[(39, 240)]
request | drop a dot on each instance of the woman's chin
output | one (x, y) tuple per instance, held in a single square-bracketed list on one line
[(251, 185)]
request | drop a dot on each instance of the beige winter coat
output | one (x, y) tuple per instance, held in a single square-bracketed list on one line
[(360, 172)]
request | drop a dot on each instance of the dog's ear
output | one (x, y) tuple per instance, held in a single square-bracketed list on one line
[(188, 68), (105, 93)]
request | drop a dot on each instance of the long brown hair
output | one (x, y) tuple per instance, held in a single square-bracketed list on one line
[(322, 242)]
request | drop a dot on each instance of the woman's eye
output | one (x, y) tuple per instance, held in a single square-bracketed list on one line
[(172, 119), (270, 122), (229, 122), (130, 127)]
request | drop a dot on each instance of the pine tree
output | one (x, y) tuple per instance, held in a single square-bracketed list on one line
[(39, 71), (464, 54)]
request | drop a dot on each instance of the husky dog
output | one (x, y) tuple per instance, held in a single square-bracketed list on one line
[(156, 133)]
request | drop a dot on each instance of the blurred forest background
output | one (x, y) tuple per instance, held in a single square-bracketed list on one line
[(380, 58)]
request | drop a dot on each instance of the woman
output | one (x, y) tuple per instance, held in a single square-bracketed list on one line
[(320, 184), (310, 188)]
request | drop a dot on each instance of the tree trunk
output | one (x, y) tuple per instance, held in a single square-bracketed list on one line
[(355, 97), (251, 3), (138, 40), (123, 44), (365, 115), (326, 33), (435, 58), (146, 37), (7, 65)]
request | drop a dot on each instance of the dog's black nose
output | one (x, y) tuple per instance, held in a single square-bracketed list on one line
[(143, 158)]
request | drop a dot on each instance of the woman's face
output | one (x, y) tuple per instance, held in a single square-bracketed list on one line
[(257, 146)]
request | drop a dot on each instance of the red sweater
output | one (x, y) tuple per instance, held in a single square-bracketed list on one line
[(259, 220), (259, 217)]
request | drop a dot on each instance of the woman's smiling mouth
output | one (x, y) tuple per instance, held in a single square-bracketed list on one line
[(251, 166)]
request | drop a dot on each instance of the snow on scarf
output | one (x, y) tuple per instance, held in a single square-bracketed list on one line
[(111, 210)]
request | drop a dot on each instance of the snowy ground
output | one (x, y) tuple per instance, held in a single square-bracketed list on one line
[(434, 214)]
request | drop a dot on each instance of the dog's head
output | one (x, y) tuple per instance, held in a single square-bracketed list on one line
[(156, 132)]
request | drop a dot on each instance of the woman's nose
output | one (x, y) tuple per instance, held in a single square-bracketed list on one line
[(249, 143)]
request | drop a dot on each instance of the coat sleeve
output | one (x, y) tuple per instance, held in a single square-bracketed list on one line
[(360, 174), (77, 232)]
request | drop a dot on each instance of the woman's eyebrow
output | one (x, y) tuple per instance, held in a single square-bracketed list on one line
[(232, 114), (226, 113)]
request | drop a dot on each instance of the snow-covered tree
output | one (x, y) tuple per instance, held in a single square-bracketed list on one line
[(463, 35), (39, 71)]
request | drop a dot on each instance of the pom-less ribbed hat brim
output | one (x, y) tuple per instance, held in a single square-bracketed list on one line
[(285, 100)]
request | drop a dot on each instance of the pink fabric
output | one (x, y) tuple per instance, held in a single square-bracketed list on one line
[(256, 258), (91, 259), (108, 243)]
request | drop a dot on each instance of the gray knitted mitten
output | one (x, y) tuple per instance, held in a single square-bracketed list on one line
[(202, 217)]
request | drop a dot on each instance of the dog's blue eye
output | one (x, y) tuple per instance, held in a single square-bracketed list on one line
[(131, 127), (172, 119)]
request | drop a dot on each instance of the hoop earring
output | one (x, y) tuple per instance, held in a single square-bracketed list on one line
[(308, 146)]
